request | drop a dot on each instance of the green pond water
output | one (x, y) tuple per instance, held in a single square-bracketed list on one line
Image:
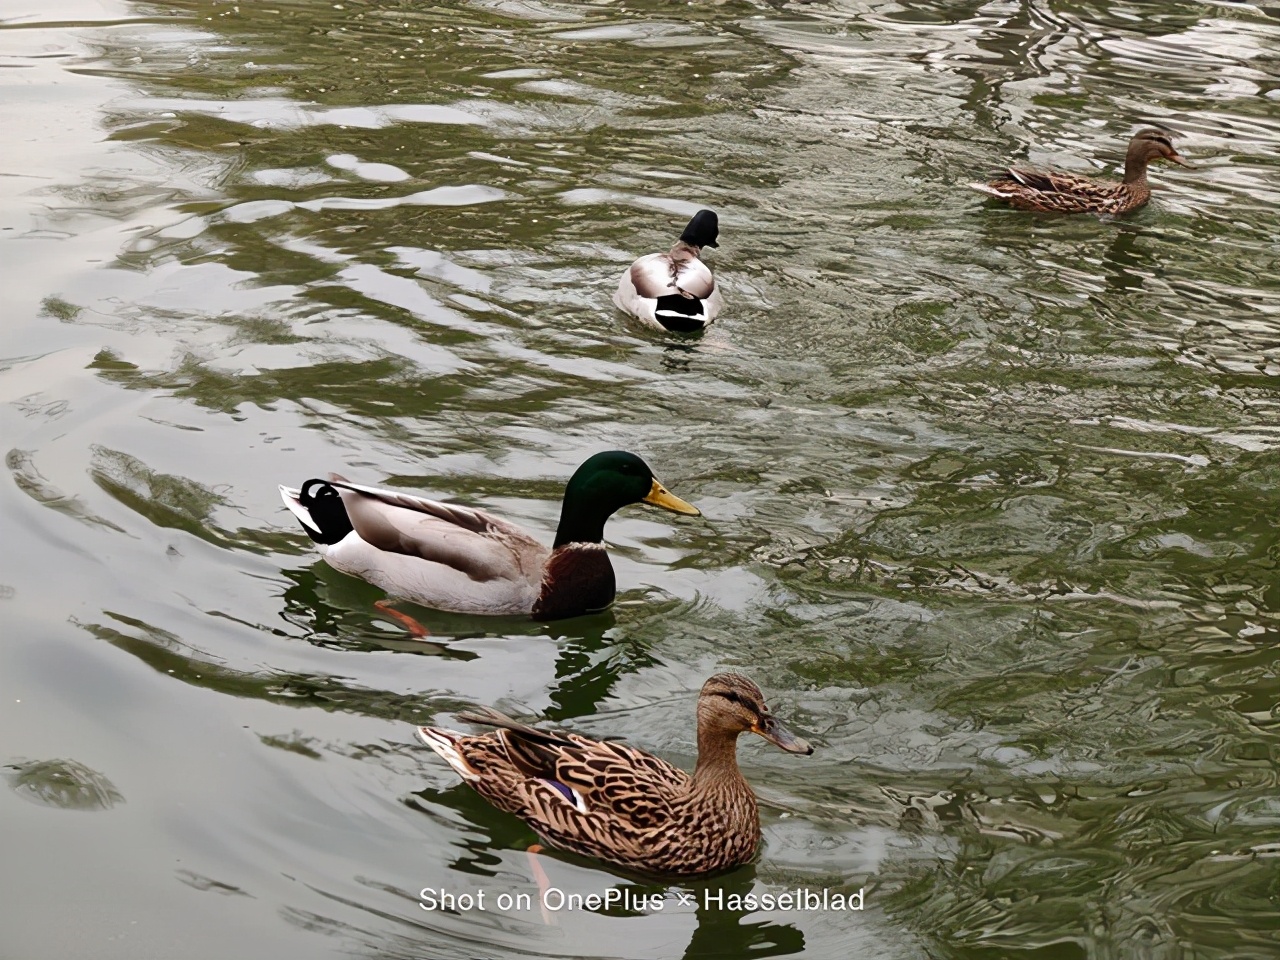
[(990, 498)]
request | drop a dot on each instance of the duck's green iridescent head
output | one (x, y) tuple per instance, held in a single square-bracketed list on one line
[(605, 483)]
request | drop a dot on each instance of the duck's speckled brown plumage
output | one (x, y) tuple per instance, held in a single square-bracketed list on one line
[(1052, 191), (623, 805)]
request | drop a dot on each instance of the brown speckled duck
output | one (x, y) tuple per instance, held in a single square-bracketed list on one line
[(1052, 191), (464, 560), (606, 800)]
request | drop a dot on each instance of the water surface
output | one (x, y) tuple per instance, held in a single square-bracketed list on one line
[(989, 498)]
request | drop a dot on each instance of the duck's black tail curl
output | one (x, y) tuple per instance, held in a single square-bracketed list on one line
[(320, 510), (680, 314)]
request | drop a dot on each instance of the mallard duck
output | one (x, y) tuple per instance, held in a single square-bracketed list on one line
[(675, 290), (1053, 191), (606, 800), (464, 560)]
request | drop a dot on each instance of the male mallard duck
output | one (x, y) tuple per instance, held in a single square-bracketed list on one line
[(675, 290), (463, 560), (1053, 191), (607, 800)]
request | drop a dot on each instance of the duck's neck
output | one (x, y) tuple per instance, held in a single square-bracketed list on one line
[(1135, 168), (721, 801), (717, 770), (682, 249), (580, 523)]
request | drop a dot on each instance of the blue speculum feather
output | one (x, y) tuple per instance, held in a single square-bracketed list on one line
[(562, 790)]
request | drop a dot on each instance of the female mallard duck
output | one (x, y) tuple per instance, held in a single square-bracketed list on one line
[(1053, 191), (463, 560), (616, 803), (675, 290)]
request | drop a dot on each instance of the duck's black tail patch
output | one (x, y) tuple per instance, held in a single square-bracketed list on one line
[(680, 314), (327, 511)]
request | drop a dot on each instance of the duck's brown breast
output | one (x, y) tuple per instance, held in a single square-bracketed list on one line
[(577, 579)]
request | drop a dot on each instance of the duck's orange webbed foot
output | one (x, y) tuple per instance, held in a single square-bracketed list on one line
[(416, 630), (544, 884)]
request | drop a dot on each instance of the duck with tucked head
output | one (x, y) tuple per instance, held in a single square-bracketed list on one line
[(464, 560), (1052, 191), (675, 290), (606, 800)]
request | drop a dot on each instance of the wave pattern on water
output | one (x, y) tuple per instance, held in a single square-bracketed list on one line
[(988, 496)]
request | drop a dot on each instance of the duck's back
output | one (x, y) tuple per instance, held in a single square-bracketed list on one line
[(615, 802), (674, 291), (441, 555), (663, 274), (1053, 191)]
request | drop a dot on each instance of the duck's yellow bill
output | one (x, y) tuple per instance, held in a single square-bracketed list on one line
[(660, 496)]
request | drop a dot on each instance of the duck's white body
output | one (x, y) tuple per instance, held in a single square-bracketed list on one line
[(465, 560), (670, 291), (440, 555), (675, 290)]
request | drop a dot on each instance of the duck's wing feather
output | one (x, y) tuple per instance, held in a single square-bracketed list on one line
[(653, 276), (605, 780), (1047, 181), (473, 542), (630, 785), (663, 274), (1055, 191), (1069, 184), (712, 305), (694, 278)]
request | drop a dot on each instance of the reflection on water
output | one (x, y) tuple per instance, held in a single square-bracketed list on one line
[(987, 496)]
